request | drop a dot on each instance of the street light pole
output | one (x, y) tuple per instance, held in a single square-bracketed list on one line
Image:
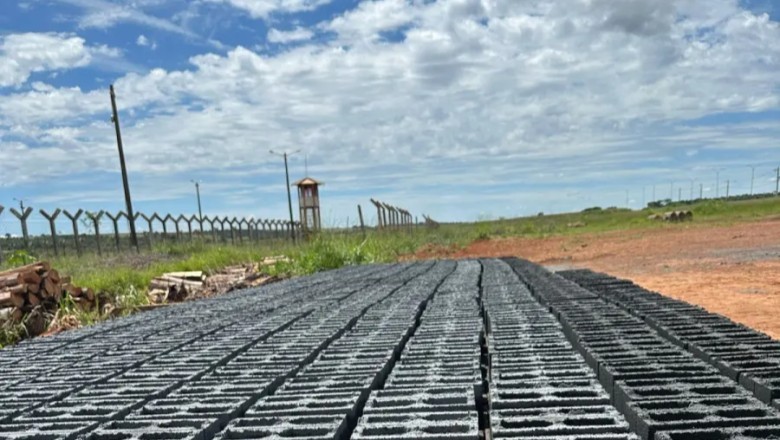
[(197, 192), (128, 201), (289, 196)]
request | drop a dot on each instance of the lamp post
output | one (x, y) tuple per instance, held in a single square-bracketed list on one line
[(289, 196), (197, 192)]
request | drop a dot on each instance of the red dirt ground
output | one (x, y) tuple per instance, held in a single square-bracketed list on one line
[(731, 270)]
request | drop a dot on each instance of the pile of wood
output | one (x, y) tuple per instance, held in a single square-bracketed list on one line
[(175, 286), (36, 289), (178, 286)]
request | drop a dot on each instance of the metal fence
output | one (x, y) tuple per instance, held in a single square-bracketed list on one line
[(103, 232)]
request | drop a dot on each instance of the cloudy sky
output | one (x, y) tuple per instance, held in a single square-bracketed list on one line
[(461, 109)]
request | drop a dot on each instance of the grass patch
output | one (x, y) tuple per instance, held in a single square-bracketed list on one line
[(124, 278)]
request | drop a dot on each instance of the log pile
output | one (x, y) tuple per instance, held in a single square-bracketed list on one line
[(175, 286), (36, 289)]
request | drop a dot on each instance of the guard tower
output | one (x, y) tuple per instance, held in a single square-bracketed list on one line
[(309, 203)]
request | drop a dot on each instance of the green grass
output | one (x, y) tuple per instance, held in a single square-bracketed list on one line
[(124, 278)]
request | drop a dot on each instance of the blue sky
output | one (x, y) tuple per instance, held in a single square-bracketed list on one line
[(461, 109)]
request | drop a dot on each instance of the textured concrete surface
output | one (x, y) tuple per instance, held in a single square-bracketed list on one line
[(443, 350)]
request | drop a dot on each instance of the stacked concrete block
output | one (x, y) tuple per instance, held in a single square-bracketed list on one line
[(326, 396), (430, 393), (742, 354), (656, 384), (138, 371), (539, 386)]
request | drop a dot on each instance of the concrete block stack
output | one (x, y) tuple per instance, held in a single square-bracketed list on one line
[(740, 353), (431, 392), (539, 386), (657, 385), (132, 368), (325, 398)]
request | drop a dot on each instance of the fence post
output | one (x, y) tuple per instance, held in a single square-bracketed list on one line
[(2, 208), (234, 221), (360, 217), (164, 226), (74, 219), (23, 216), (115, 223), (256, 223), (175, 225), (189, 224), (222, 226), (51, 218), (96, 223), (150, 225), (210, 221)]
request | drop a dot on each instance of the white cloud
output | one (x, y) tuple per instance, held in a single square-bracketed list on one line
[(477, 94), (143, 41), (23, 54), (297, 34), (263, 8)]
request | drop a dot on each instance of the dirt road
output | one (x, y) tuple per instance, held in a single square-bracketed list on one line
[(731, 270)]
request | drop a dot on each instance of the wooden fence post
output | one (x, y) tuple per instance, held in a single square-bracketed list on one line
[(360, 216), (23, 216), (52, 227), (74, 219)]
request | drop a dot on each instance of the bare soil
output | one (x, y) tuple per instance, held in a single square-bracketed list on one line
[(730, 270)]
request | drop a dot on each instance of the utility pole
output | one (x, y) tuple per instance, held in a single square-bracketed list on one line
[(627, 199), (679, 194), (644, 188), (701, 191), (691, 195), (727, 188), (128, 200), (671, 191), (752, 177), (197, 192), (777, 181), (289, 196), (654, 192)]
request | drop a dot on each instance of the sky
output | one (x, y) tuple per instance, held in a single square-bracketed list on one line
[(459, 109)]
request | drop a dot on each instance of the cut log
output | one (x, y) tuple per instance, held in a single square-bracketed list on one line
[(33, 299), (18, 298), (73, 291), (89, 294), (54, 276), (17, 314), (49, 288), (40, 266), (180, 281), (196, 275), (11, 280), (31, 277), (33, 288), (65, 280), (5, 299)]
